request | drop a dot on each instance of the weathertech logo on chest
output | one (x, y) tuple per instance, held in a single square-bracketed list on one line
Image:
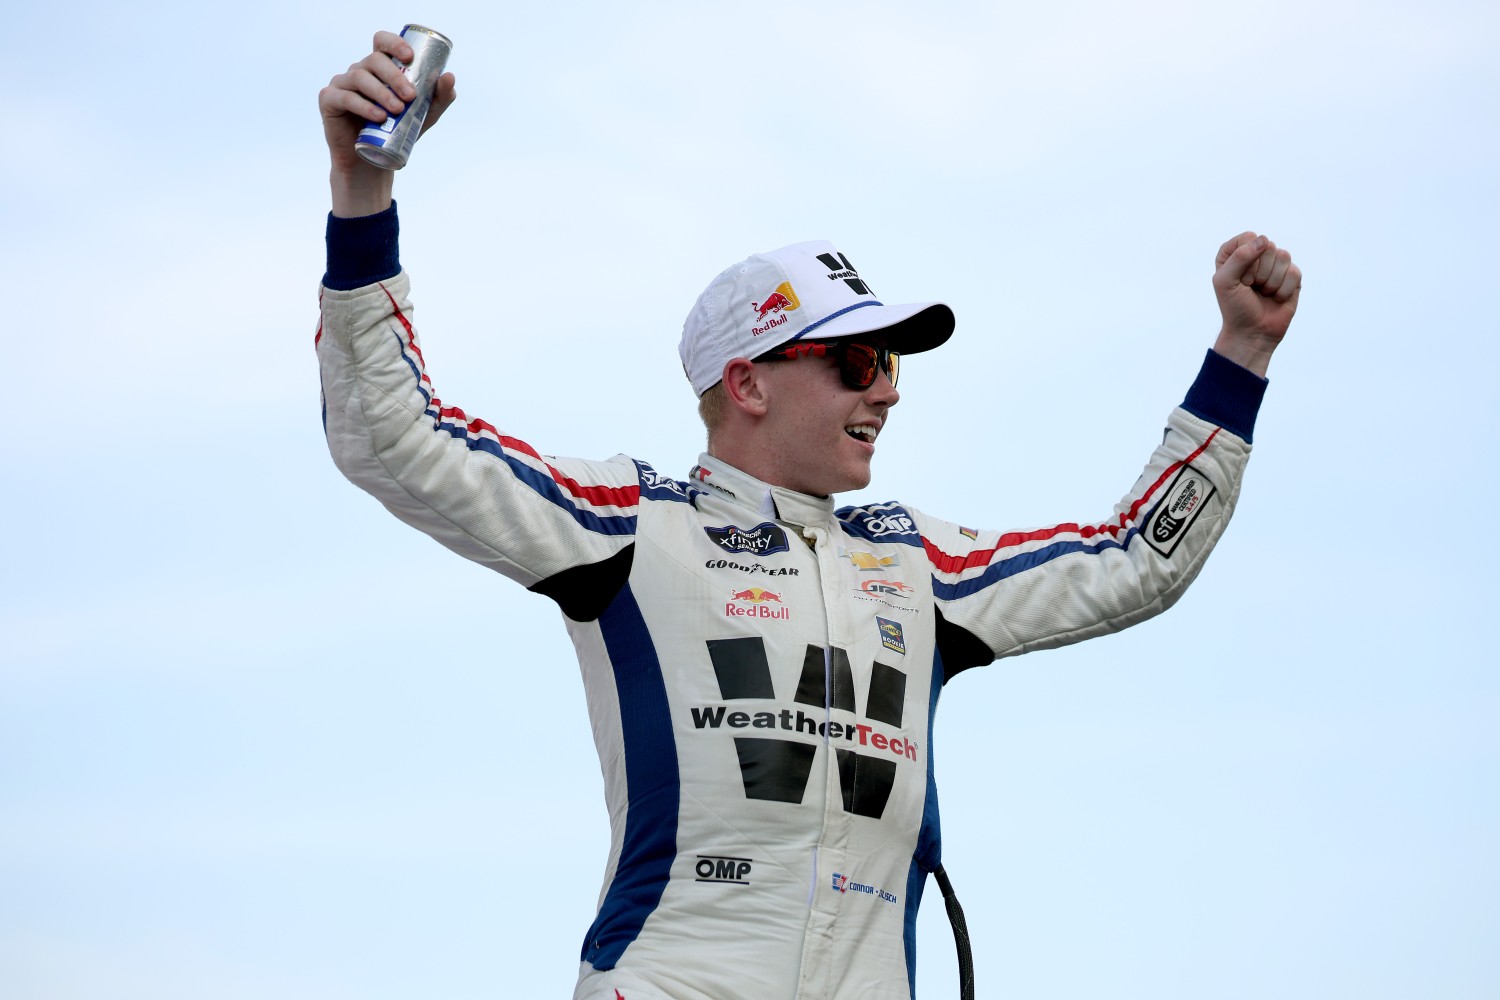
[(776, 768)]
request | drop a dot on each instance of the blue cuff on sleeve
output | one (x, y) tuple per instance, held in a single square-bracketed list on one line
[(1227, 395), (362, 251)]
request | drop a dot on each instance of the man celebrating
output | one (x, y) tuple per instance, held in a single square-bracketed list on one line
[(763, 666)]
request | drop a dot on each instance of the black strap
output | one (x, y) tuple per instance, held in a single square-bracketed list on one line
[(960, 935)]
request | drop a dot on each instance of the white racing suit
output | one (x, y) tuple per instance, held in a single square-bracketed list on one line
[(761, 668)]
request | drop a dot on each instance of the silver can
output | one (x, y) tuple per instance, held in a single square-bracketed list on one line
[(388, 144)]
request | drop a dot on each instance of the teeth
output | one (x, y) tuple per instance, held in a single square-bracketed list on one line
[(865, 431)]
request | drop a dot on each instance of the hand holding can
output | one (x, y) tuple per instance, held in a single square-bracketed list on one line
[(388, 144)]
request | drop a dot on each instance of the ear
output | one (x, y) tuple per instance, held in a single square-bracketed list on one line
[(745, 386)]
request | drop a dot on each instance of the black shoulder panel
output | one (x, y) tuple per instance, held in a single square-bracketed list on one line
[(583, 592), (959, 648)]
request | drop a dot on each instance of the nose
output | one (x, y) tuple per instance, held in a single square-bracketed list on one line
[(881, 392)]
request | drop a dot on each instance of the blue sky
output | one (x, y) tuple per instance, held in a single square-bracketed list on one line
[(259, 739)]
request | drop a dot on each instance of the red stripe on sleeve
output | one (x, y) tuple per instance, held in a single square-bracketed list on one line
[(411, 335), (945, 563), (599, 496)]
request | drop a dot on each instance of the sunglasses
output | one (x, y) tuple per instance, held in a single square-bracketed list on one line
[(858, 362)]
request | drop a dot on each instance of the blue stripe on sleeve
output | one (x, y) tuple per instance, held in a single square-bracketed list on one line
[(541, 483), (1023, 562)]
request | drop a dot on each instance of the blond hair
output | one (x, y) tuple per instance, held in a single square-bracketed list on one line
[(711, 408)]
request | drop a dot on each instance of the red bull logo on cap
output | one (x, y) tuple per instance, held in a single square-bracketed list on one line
[(761, 604), (781, 301)]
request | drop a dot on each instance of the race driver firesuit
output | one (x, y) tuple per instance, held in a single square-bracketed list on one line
[(761, 667)]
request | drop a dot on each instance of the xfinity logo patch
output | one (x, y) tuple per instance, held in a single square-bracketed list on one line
[(733, 871), (762, 540), (1184, 501)]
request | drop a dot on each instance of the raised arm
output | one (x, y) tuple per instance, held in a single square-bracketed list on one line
[(369, 90), (488, 495), (1004, 593)]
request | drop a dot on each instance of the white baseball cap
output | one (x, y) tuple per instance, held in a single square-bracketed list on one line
[(806, 290)]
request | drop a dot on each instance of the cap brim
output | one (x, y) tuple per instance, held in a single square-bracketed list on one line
[(908, 329)]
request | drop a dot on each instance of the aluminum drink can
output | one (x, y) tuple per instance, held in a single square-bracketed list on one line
[(388, 144)]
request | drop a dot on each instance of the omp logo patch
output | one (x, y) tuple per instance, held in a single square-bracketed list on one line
[(1185, 499), (880, 525), (711, 868), (764, 539), (775, 768)]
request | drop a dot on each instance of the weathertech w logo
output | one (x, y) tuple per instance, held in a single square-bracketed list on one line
[(841, 268), (776, 769)]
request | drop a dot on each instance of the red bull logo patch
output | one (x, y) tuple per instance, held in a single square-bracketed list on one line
[(770, 313), (756, 602)]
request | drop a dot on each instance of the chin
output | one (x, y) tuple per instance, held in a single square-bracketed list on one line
[(852, 481)]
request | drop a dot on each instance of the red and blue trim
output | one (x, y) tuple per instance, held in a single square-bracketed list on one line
[(595, 508), (1092, 539)]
